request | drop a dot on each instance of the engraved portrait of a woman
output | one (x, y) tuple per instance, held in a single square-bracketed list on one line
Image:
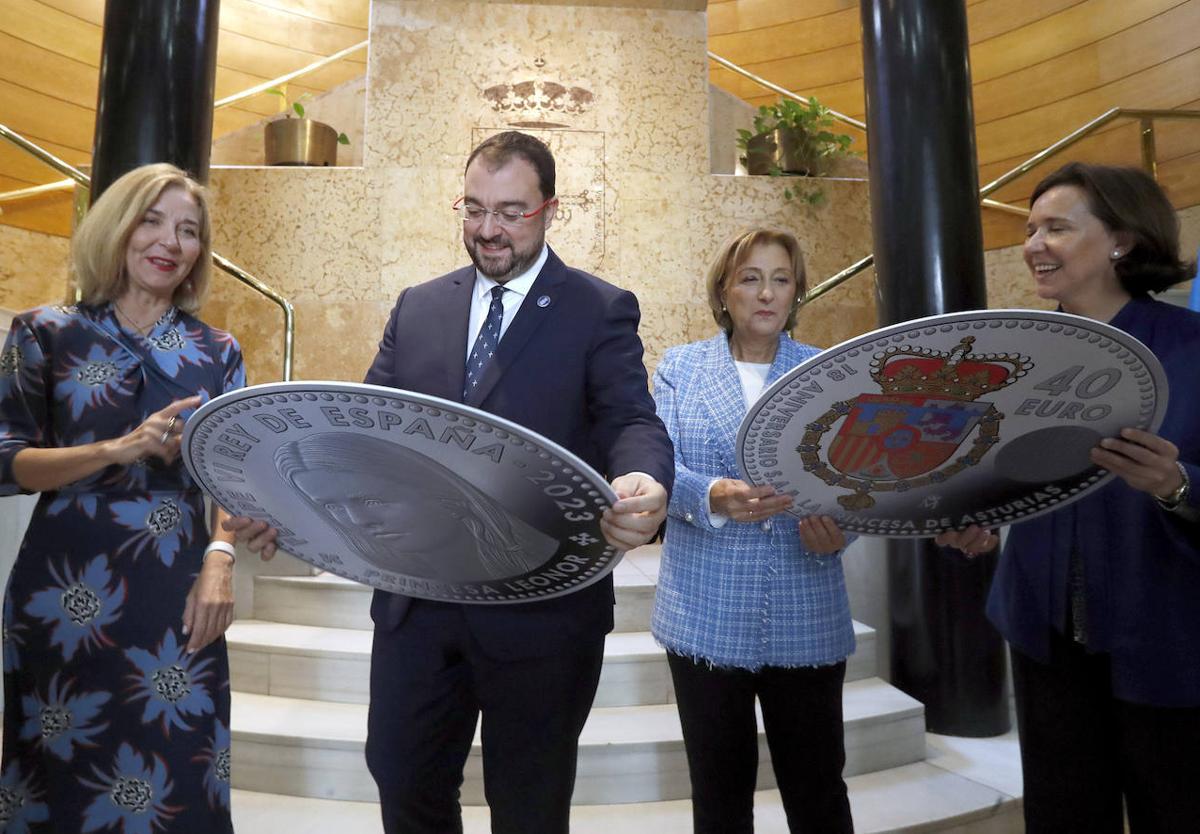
[(405, 513)]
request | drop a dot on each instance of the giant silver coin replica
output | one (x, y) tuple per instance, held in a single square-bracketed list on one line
[(405, 492), (982, 418)]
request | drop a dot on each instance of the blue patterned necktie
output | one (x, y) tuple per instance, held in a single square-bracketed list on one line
[(485, 343)]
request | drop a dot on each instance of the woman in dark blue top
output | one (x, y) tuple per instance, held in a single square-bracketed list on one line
[(116, 677), (1100, 601)]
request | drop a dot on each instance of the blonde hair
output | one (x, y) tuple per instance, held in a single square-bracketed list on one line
[(734, 252), (99, 246)]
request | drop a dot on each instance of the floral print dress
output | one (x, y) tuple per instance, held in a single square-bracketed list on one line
[(109, 724)]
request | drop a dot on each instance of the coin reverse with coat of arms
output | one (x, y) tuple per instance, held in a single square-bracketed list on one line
[(406, 492), (984, 417)]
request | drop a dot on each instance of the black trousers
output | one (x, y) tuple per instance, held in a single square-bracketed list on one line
[(429, 684), (802, 715), (1089, 758)]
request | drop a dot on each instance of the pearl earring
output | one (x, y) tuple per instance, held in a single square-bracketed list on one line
[(1116, 253)]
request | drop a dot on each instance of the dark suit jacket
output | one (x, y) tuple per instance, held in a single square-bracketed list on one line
[(571, 371)]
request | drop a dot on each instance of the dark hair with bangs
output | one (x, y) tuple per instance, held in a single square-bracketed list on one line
[(1129, 200)]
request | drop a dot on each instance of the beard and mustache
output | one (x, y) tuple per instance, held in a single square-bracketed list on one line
[(507, 262)]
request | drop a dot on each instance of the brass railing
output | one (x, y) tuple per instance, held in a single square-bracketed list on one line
[(783, 91), (257, 89), (1149, 159), (1149, 162), (77, 176)]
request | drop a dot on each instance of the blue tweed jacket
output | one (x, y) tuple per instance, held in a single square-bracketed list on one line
[(744, 595)]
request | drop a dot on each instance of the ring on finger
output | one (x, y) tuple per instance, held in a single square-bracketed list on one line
[(162, 441), (171, 422)]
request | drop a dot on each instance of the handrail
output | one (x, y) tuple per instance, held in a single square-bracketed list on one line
[(283, 79), (44, 155), (1146, 116), (35, 191), (841, 117), (1079, 133), (63, 185), (289, 319), (730, 65)]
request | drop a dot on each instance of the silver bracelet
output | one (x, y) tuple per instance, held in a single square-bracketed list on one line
[(224, 547)]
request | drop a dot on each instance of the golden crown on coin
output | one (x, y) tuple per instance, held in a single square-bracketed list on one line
[(956, 375)]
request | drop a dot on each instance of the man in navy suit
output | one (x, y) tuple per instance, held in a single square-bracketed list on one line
[(557, 351)]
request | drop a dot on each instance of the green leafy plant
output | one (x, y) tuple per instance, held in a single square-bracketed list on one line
[(792, 138), (296, 107)]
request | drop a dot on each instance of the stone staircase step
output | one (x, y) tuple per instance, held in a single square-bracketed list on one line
[(918, 797), (627, 754), (331, 601), (333, 664)]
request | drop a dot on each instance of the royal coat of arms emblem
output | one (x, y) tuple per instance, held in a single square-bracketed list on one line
[(928, 408)]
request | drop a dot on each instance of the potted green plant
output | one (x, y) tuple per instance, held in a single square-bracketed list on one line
[(791, 138), (300, 140)]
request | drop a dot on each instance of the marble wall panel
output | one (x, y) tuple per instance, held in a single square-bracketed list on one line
[(255, 321), (308, 232), (33, 268), (638, 206), (419, 236), (438, 68)]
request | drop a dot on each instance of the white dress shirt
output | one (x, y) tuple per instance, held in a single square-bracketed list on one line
[(754, 379), (516, 290)]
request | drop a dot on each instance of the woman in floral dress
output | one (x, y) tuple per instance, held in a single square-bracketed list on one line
[(116, 678)]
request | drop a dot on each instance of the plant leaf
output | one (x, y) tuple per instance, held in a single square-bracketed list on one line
[(299, 108), (343, 139)]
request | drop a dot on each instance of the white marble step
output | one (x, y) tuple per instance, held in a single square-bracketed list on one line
[(333, 664), (944, 795), (627, 754), (334, 602)]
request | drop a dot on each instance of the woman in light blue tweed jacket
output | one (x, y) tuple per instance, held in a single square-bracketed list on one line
[(750, 603)]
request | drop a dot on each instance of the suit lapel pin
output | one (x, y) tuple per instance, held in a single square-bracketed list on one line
[(543, 301)]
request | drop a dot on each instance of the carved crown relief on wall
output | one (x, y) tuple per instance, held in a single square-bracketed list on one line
[(544, 108), (538, 102)]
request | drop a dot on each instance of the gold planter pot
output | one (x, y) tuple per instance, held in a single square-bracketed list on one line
[(795, 153), (300, 142)]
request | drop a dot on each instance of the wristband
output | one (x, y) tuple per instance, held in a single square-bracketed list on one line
[(224, 547)]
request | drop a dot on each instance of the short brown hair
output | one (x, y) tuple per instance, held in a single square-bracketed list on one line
[(502, 147), (733, 253), (1129, 200), (98, 248)]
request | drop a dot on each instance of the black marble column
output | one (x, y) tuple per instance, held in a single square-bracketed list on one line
[(929, 260), (157, 70)]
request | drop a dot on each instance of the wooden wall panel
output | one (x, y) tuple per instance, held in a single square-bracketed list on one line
[(1057, 34), (50, 73), (1041, 69), (740, 15), (1166, 36), (28, 170), (1160, 86), (49, 213), (36, 115), (43, 25), (280, 27), (815, 34), (992, 18)]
